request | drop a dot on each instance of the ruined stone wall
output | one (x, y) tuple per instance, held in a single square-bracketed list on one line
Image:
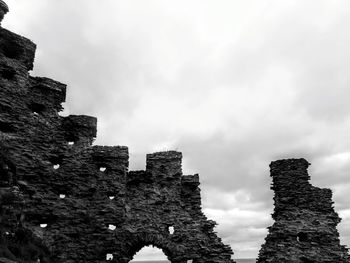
[(305, 221), (64, 200)]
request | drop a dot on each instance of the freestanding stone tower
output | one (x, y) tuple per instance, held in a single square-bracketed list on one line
[(305, 221), (64, 200)]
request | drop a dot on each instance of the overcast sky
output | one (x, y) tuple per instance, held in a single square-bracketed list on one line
[(233, 84)]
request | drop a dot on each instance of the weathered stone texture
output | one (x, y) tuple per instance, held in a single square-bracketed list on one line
[(64, 200), (305, 221)]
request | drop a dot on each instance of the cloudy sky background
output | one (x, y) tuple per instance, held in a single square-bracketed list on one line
[(231, 84)]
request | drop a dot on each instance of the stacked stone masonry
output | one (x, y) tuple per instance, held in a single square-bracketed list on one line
[(64, 200), (305, 221)]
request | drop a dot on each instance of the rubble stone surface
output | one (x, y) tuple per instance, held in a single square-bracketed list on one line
[(64, 200), (305, 221)]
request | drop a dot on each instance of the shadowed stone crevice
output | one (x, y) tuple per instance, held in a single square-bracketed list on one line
[(7, 73), (6, 127)]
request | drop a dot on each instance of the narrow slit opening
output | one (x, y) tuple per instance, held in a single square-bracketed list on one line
[(111, 227), (171, 230)]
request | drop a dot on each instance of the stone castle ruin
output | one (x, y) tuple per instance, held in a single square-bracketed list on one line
[(305, 221), (64, 200)]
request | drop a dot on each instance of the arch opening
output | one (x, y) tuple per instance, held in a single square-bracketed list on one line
[(150, 253)]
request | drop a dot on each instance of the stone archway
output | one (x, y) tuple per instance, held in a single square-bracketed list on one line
[(149, 253), (132, 243), (138, 241)]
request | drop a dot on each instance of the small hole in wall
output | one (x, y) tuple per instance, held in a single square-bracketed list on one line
[(111, 227), (102, 169), (109, 256), (56, 161), (62, 196), (43, 225), (111, 197), (171, 230), (7, 233), (70, 143)]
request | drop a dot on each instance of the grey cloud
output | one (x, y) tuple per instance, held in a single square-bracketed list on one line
[(312, 50)]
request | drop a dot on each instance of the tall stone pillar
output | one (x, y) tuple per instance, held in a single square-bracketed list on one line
[(305, 220)]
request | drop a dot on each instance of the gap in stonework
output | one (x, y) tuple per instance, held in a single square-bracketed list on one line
[(151, 254)]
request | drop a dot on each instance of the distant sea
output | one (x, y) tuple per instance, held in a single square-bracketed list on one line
[(245, 260)]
